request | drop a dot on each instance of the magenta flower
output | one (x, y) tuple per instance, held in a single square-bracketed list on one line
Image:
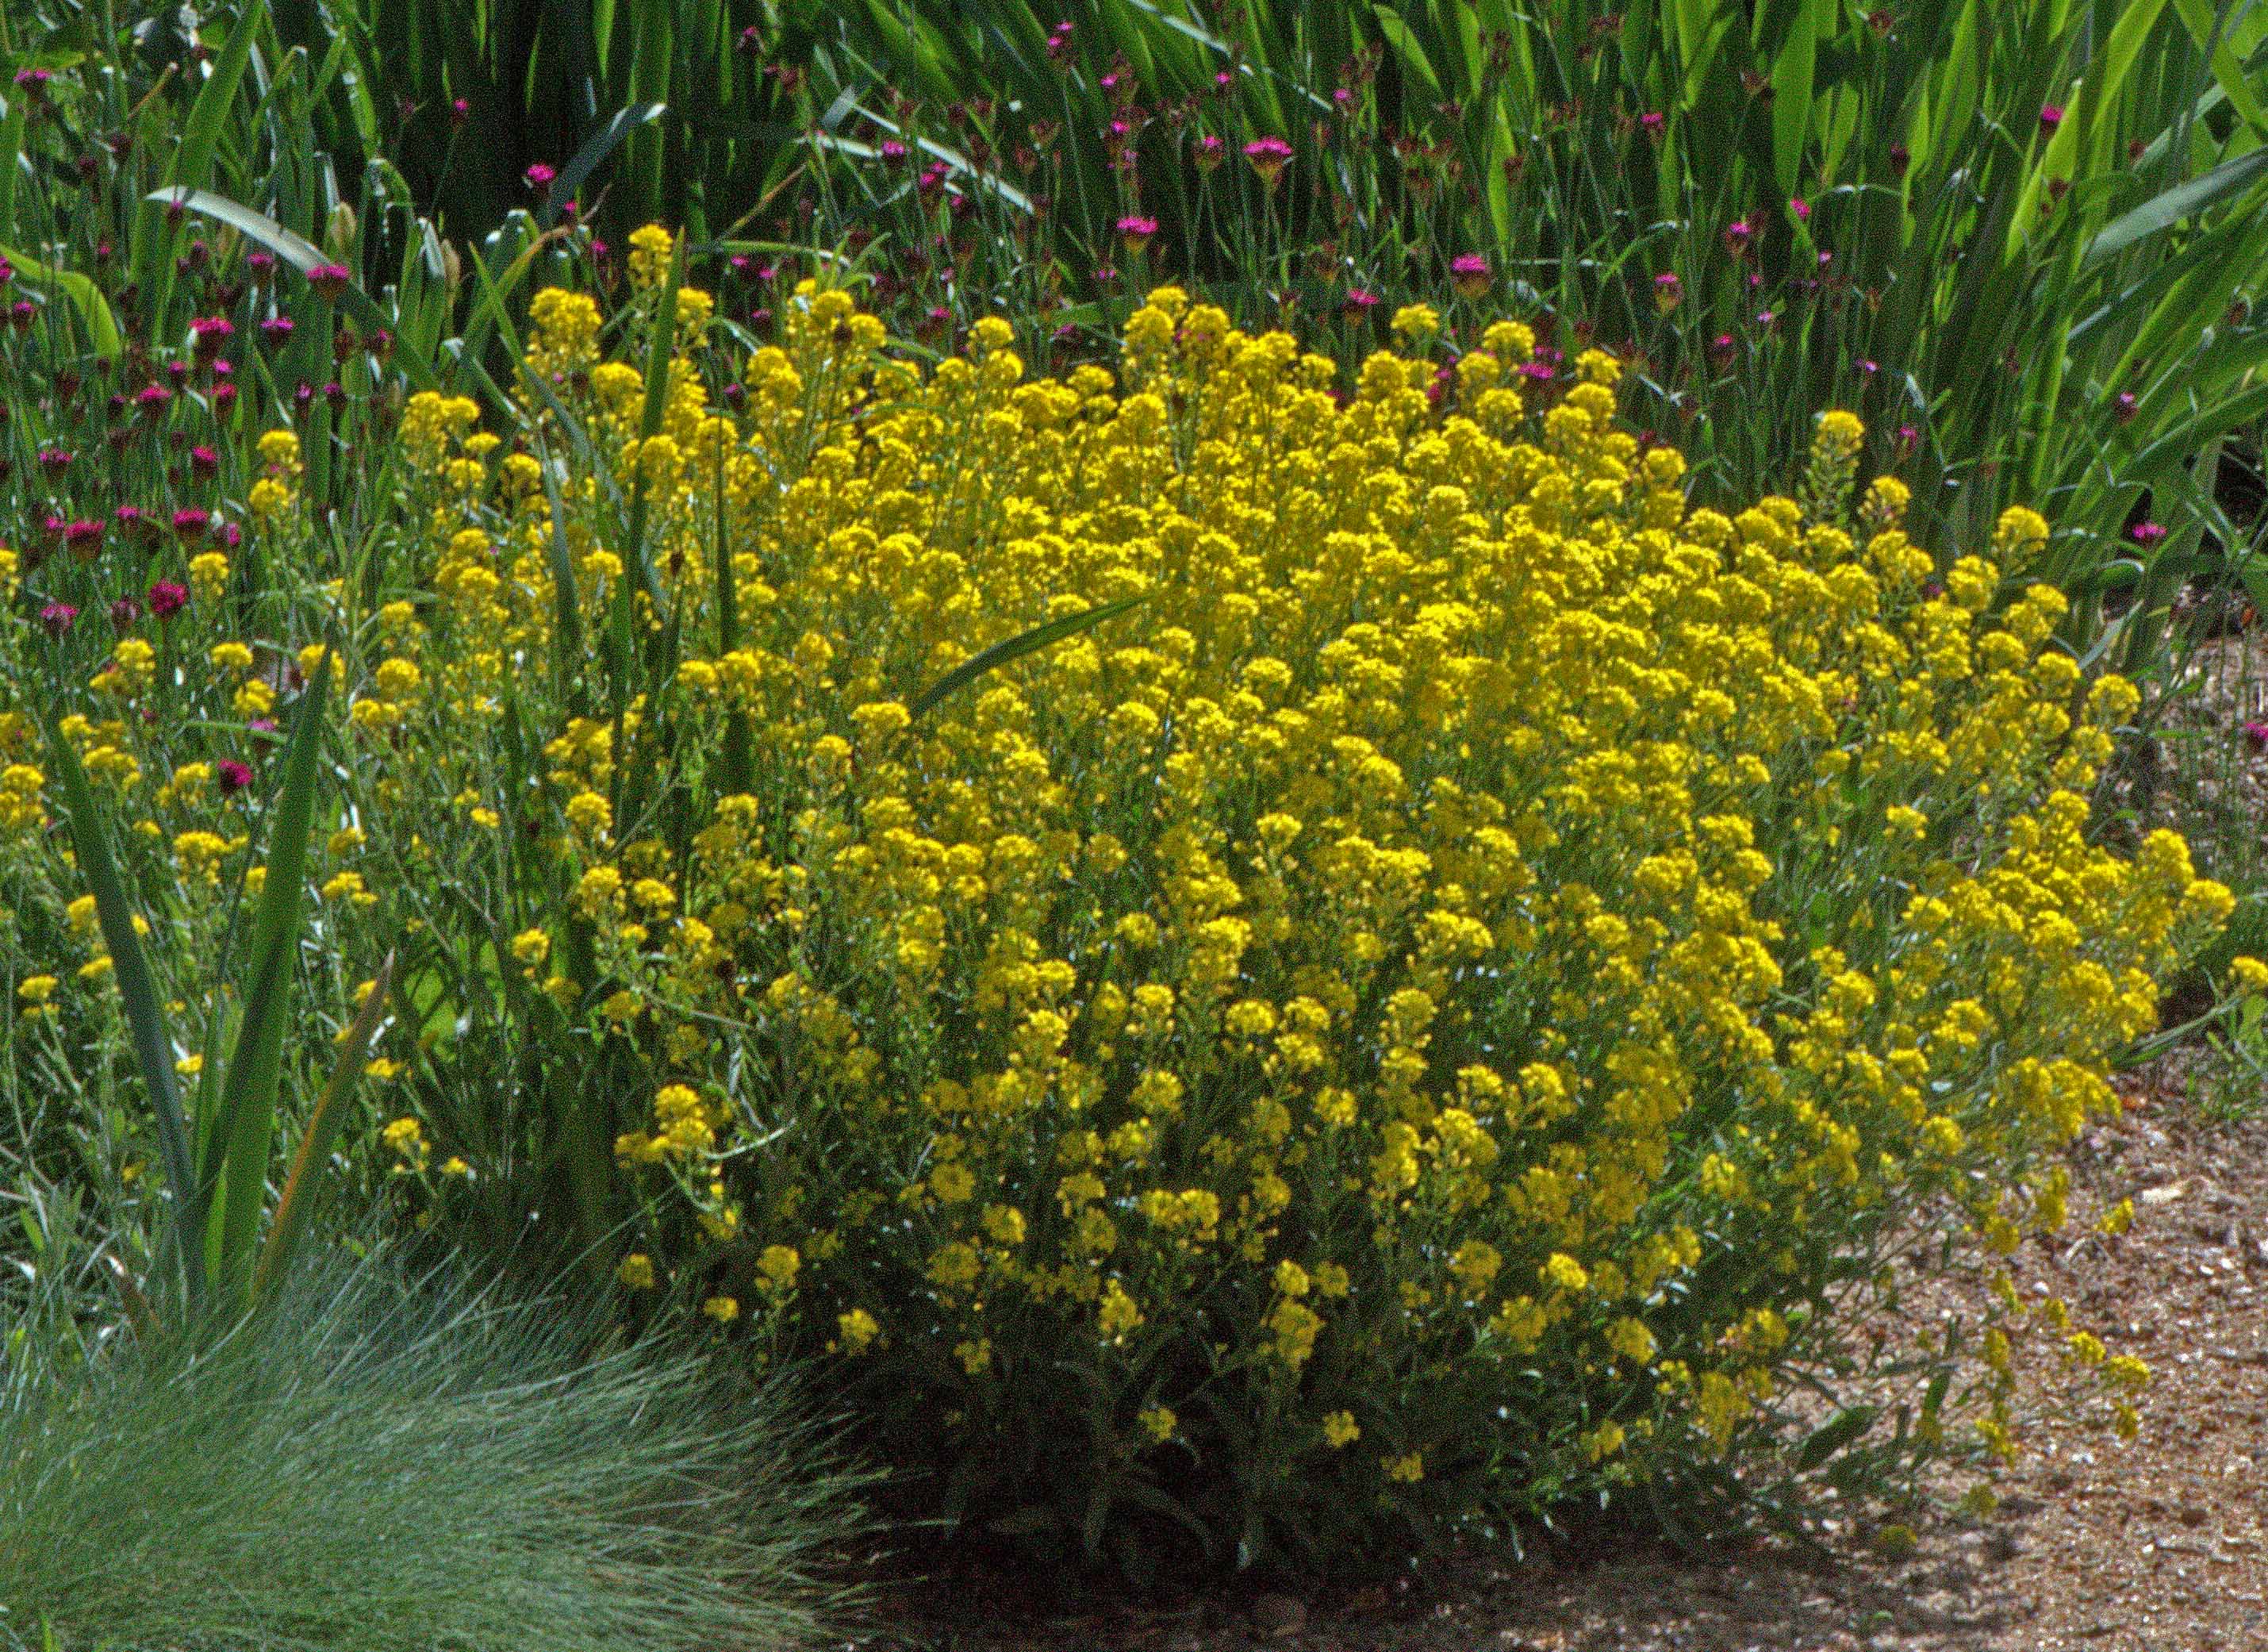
[(151, 398), (277, 330), (894, 150), (123, 614), (460, 110), (2050, 117), (1211, 152), (167, 599), (233, 776), (261, 265), (1269, 157), (2256, 735), (57, 617), (190, 524), (1801, 207), (540, 176), (1471, 272), (209, 336), (2124, 406), (2145, 534), (330, 280), (203, 463), (55, 461), (1359, 302), (1668, 290), (1740, 235), (1651, 123), (1135, 232)]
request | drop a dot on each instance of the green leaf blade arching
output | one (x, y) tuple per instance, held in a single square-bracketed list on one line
[(1016, 647), (245, 1127)]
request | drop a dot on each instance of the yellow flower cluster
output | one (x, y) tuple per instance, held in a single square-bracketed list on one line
[(1464, 971)]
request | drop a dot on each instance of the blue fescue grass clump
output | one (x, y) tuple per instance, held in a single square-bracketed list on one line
[(394, 1463)]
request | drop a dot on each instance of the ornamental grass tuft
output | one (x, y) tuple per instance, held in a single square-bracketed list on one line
[(387, 1462)]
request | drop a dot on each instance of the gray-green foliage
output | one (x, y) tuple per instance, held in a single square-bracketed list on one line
[(398, 1464)]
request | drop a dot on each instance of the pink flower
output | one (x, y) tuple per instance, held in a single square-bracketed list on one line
[(2256, 735), (1740, 235), (1471, 273), (2124, 406), (330, 280), (233, 775), (538, 176), (57, 617), (1211, 152), (209, 336), (1801, 208), (277, 330), (1359, 302), (1668, 290), (2145, 534), (1651, 123), (2050, 117), (1137, 231), (1269, 157), (167, 599), (190, 524)]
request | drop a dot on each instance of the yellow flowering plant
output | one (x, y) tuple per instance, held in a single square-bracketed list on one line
[(1462, 999)]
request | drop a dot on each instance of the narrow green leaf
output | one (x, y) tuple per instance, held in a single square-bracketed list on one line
[(598, 146), (85, 298), (1016, 647), (137, 992), (11, 153), (2183, 200), (245, 1127), (1791, 82), (301, 1191), (192, 158)]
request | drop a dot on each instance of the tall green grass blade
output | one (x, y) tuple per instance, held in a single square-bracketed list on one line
[(85, 298), (142, 1004), (598, 146), (1791, 77), (244, 1129), (11, 153), (191, 162), (2185, 200), (1028, 642), (295, 1207)]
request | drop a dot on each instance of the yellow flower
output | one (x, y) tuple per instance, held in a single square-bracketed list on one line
[(778, 1265), (1340, 1430), (723, 1309), (857, 1329), (1407, 1469), (635, 1270)]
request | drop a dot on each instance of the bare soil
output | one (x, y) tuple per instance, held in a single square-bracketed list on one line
[(2160, 1545)]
